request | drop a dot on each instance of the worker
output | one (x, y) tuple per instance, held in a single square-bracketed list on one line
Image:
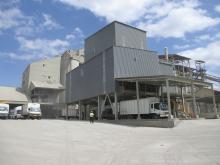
[(91, 117)]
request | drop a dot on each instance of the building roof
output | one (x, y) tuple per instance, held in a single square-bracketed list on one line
[(114, 22), (38, 84), (175, 57), (12, 95)]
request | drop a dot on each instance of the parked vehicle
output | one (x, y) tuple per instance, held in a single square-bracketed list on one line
[(31, 111), (4, 111), (16, 113), (148, 107)]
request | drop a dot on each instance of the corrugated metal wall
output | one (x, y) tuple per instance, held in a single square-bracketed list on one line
[(127, 36), (166, 70), (99, 42), (95, 77), (114, 34), (129, 62)]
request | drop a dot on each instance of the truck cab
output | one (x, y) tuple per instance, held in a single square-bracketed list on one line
[(4, 111), (159, 110), (16, 113), (34, 111)]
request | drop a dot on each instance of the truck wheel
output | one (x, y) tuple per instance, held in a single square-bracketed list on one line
[(155, 116)]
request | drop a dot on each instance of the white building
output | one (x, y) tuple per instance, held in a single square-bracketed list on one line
[(44, 81)]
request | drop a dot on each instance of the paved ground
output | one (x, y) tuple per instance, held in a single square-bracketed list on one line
[(57, 142)]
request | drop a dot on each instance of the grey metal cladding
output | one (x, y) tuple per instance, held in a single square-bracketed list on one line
[(68, 90), (166, 69), (109, 71), (93, 78), (100, 41), (127, 36), (129, 62)]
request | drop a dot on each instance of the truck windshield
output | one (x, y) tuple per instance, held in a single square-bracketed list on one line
[(3, 109), (163, 107), (34, 109), (157, 106), (18, 111)]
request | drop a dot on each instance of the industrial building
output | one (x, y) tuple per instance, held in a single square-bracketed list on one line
[(115, 66), (44, 82), (119, 66)]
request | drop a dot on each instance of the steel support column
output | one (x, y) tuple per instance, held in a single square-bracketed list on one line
[(183, 100), (67, 110), (99, 107), (168, 98), (214, 102), (138, 97), (79, 108), (116, 106), (194, 100)]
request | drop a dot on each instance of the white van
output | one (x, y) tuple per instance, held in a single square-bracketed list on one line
[(4, 111)]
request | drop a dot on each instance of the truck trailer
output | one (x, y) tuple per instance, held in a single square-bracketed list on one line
[(150, 107)]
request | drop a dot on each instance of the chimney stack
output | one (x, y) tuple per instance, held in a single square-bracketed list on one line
[(166, 54)]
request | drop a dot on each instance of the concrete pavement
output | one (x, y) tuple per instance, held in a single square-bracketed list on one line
[(57, 142)]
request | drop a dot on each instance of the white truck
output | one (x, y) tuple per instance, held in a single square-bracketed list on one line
[(4, 111), (16, 113), (31, 111), (150, 107)]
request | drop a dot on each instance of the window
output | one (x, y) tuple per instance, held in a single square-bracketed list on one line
[(152, 106), (157, 106)]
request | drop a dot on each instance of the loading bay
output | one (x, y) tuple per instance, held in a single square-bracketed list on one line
[(59, 142)]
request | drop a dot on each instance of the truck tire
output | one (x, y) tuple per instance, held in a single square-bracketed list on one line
[(155, 116)]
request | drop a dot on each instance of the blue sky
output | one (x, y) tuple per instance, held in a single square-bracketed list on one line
[(31, 30)]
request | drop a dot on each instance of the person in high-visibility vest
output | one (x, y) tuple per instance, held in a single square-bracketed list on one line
[(91, 117)]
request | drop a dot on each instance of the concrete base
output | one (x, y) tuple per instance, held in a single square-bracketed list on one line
[(161, 123), (209, 115)]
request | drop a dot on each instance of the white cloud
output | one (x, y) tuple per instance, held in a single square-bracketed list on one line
[(181, 47), (42, 47), (10, 18), (114, 9), (217, 8), (8, 3), (209, 54), (49, 22), (23, 25), (180, 20), (77, 33), (160, 18), (37, 49)]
